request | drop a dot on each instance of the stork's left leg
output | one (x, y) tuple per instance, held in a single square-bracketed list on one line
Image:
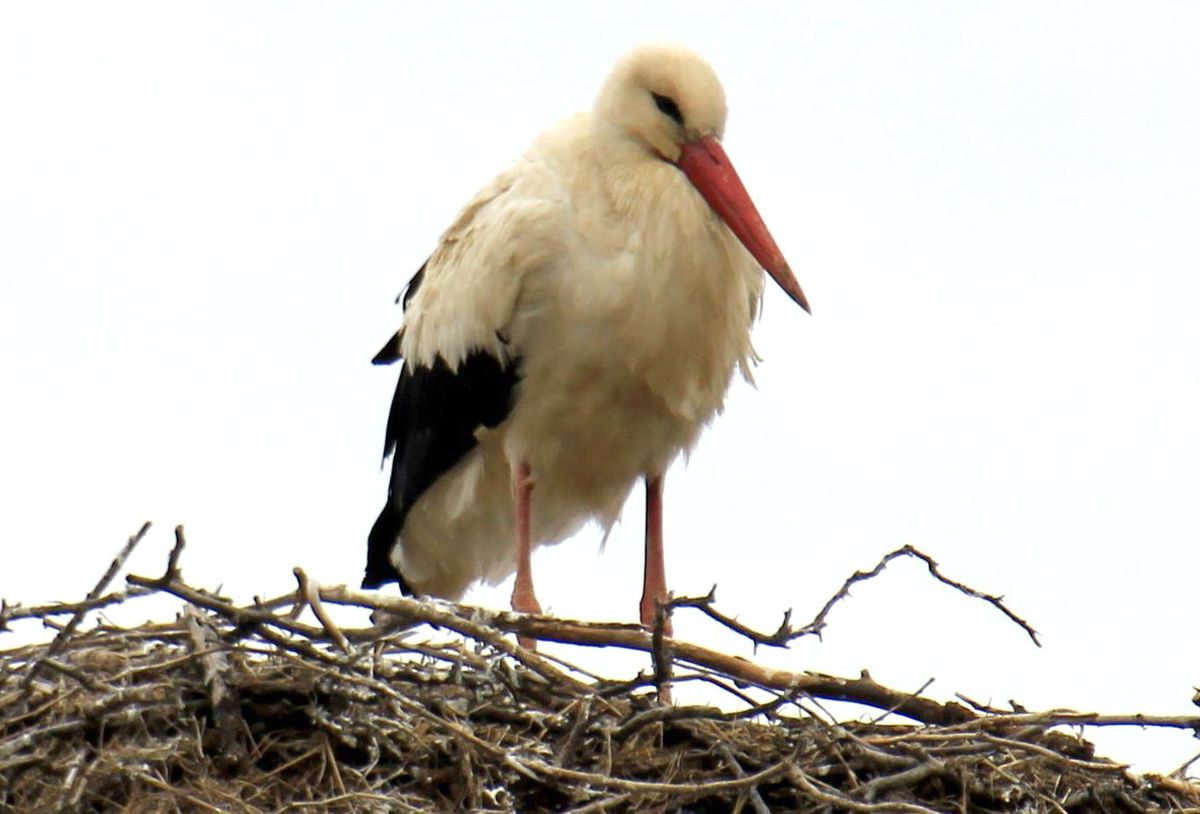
[(523, 598), (654, 580)]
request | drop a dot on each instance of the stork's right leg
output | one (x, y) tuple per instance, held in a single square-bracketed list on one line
[(654, 580), (523, 598)]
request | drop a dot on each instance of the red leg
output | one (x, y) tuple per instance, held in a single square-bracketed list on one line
[(654, 581), (523, 598)]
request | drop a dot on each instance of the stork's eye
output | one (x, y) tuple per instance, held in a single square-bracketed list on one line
[(667, 105)]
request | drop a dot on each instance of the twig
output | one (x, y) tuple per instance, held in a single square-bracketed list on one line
[(601, 805), (995, 601), (222, 696), (61, 639), (756, 800), (908, 777), (1181, 771), (661, 714), (172, 572), (73, 783), (67, 670), (154, 782), (818, 622), (678, 791), (979, 706), (1070, 718), (841, 801), (583, 711), (780, 638), (95, 593), (12, 613), (914, 694), (786, 633), (310, 591)]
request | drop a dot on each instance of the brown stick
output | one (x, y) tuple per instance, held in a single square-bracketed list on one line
[(309, 591), (77, 618), (785, 634)]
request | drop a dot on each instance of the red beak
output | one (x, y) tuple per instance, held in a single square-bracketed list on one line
[(712, 174)]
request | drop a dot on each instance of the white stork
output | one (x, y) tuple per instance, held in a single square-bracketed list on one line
[(573, 332)]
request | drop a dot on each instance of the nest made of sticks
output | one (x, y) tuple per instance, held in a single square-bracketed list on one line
[(248, 708)]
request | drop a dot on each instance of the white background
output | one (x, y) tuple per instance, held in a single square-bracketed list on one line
[(206, 209)]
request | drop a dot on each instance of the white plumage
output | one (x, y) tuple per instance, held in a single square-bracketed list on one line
[(598, 271)]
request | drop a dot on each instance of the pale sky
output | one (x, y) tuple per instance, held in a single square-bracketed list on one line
[(206, 210)]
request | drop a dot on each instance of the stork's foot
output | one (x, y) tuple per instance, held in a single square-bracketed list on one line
[(649, 611), (525, 601)]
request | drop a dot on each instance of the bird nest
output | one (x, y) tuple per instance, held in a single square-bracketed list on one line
[(254, 708)]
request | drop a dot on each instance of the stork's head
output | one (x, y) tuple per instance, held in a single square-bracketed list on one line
[(669, 101), (663, 96)]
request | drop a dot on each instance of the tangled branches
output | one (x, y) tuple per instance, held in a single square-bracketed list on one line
[(266, 707)]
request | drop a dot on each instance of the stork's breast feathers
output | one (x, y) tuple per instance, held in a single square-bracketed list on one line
[(686, 321)]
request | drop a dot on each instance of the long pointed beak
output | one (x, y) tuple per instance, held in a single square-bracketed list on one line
[(712, 174)]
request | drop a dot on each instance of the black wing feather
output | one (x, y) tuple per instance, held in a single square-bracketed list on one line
[(431, 426), (390, 352)]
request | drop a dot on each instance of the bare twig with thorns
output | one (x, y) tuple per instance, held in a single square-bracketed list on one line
[(88, 603), (785, 633)]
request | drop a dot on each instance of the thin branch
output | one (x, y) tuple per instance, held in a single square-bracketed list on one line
[(67, 670), (583, 711), (222, 695), (731, 761), (77, 618), (995, 601), (785, 634), (678, 791), (172, 572), (113, 567), (1070, 718), (780, 638), (824, 794), (818, 623), (1181, 771), (600, 805), (18, 612), (309, 590), (662, 714), (917, 692)]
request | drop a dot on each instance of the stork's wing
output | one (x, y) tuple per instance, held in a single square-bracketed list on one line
[(459, 368), (468, 289), (432, 425)]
